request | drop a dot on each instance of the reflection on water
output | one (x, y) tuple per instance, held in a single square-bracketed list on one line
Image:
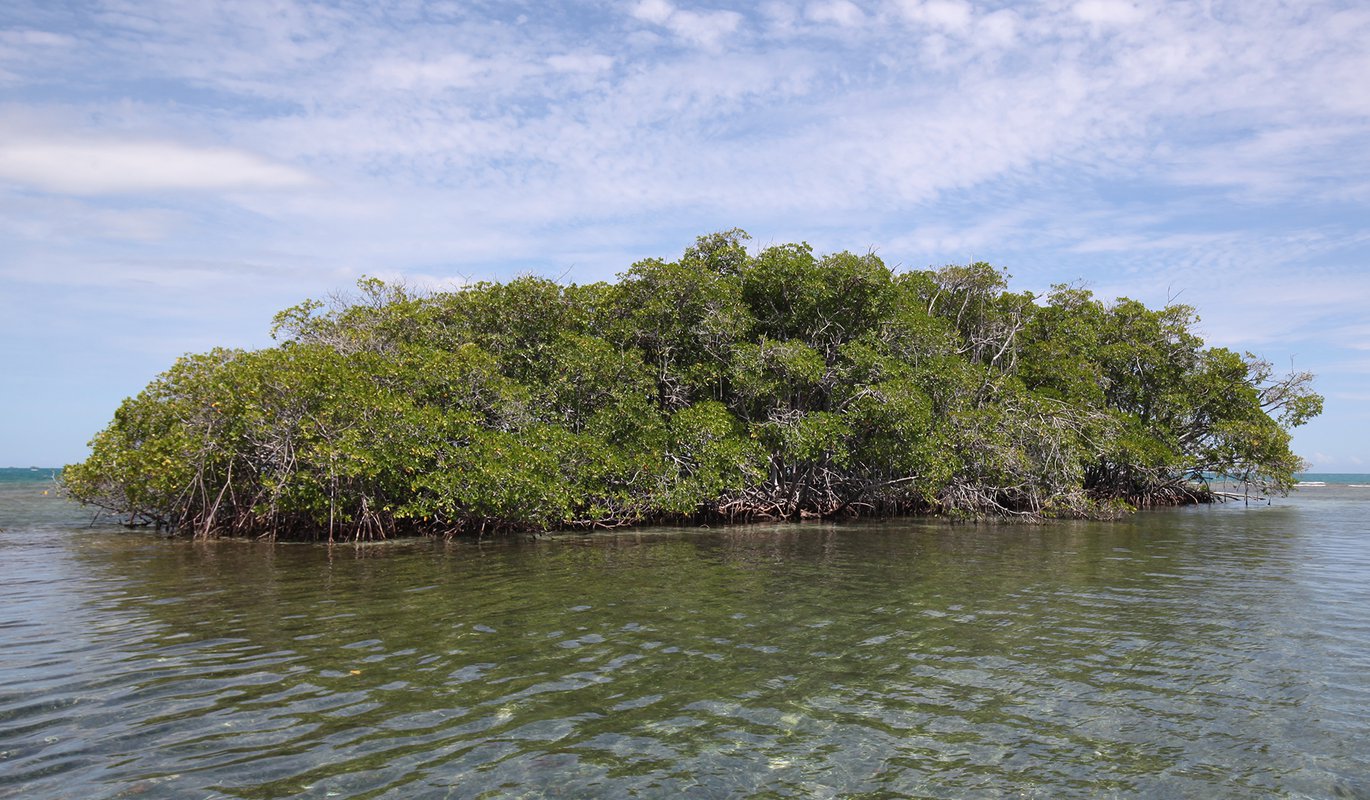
[(1204, 652)]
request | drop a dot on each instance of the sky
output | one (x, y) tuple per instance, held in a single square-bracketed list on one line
[(174, 173)]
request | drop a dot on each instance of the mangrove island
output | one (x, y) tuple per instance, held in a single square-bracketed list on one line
[(723, 386)]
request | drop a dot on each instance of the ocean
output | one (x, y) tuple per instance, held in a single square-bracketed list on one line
[(1219, 651)]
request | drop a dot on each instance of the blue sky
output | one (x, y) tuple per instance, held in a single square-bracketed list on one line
[(173, 173)]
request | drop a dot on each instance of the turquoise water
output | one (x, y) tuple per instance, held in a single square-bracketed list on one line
[(28, 474), (1205, 652), (1359, 480)]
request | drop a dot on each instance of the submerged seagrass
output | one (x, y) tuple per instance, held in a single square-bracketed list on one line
[(719, 386)]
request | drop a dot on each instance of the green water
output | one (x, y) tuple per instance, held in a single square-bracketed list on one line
[(1215, 652)]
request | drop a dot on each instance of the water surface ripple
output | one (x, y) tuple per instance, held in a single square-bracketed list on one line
[(1220, 652)]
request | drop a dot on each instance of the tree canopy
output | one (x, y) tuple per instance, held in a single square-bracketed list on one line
[(720, 386)]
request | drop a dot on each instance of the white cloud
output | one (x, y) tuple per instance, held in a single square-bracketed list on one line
[(963, 240), (101, 166), (580, 62), (704, 28), (1276, 160), (455, 70), (1107, 12), (1139, 241), (998, 29), (56, 220), (158, 274), (34, 53), (422, 282), (1356, 337), (35, 38), (656, 12), (780, 18), (837, 12), (949, 15)]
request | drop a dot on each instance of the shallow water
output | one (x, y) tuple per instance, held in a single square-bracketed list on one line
[(1211, 652)]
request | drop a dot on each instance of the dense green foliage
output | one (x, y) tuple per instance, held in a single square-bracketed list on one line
[(724, 385)]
